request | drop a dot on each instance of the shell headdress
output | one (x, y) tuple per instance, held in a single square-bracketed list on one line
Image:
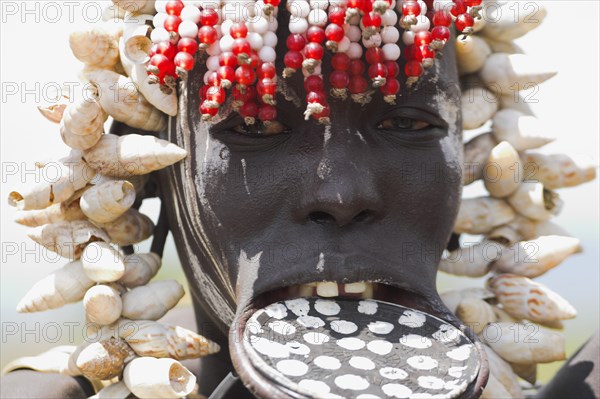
[(90, 216)]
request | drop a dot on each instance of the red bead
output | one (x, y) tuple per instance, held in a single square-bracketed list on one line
[(464, 21), (410, 7), (254, 59), (245, 75), (226, 73), (202, 92), (188, 45), (360, 4), (316, 97), (266, 86), (314, 50), (209, 17), (459, 7), (274, 3), (367, 7), (238, 30), (422, 37), (473, 3), (374, 55), (228, 59), (315, 34), (391, 87), (216, 93), (173, 7), (165, 48), (372, 19), (376, 70), (334, 32), (413, 52), (249, 93), (427, 52), (442, 18), (413, 69), (293, 59), (266, 70), (440, 33), (340, 61), (357, 67), (249, 110), (207, 35), (172, 23), (184, 60), (393, 69), (313, 83), (339, 79), (241, 46), (337, 15), (267, 112), (206, 110), (165, 66), (213, 79), (357, 85), (295, 42)]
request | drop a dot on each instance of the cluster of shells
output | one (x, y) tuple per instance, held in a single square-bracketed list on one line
[(520, 242), (88, 215)]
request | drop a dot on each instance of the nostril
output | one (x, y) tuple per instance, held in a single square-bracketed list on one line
[(321, 217), (362, 216)]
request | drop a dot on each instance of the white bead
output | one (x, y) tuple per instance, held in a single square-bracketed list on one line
[(187, 29), (270, 39), (226, 43), (159, 20), (423, 7), (353, 33), (267, 54), (218, 29), (442, 5), (206, 75), (161, 6), (232, 11), (273, 24), (255, 40), (316, 72), (190, 13), (389, 18), (355, 51), (212, 63), (214, 49), (422, 24), (354, 20), (160, 35), (393, 5), (390, 34), (259, 25), (299, 8), (317, 17), (408, 37), (343, 45), (373, 41), (391, 51), (338, 3), (225, 26), (298, 25), (319, 4)]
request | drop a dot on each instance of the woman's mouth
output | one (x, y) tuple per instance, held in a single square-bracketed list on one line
[(349, 340)]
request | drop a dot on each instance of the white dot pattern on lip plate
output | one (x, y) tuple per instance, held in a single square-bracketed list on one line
[(367, 349)]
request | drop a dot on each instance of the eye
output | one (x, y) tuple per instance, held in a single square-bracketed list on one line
[(258, 128), (403, 123)]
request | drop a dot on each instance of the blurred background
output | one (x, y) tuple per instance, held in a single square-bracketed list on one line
[(36, 61)]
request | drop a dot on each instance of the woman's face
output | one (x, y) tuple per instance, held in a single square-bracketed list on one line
[(371, 197)]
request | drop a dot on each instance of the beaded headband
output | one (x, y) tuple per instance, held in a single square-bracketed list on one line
[(89, 214)]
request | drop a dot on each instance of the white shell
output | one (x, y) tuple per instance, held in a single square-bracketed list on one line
[(506, 24), (105, 202), (139, 269), (82, 123), (503, 171), (121, 99), (473, 261), (503, 380), (130, 228), (471, 54), (66, 211), (532, 346), (149, 338), (501, 72), (118, 390), (150, 378), (535, 202), (105, 359), (530, 229), (476, 153), (102, 304), (152, 301), (534, 258), (524, 132), (136, 7), (97, 48), (132, 154), (452, 298), (54, 360), (102, 263), (480, 215), (67, 238), (478, 106), (525, 299), (475, 313), (558, 170), (65, 285)]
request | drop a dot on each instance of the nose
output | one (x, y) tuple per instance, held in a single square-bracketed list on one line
[(343, 190)]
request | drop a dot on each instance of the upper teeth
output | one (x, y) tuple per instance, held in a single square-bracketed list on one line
[(329, 289)]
